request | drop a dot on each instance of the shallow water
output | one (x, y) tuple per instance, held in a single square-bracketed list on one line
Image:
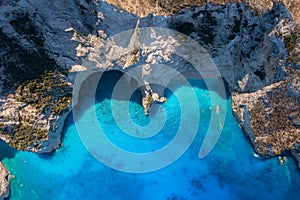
[(230, 171)]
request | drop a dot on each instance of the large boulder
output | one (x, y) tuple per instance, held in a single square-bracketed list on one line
[(4, 182)]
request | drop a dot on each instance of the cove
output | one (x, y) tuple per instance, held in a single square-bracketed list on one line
[(230, 171)]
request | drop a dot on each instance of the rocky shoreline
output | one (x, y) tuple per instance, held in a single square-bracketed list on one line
[(4, 182), (257, 56), (271, 116)]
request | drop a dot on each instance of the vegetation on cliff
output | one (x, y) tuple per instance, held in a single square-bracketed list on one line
[(51, 93), (275, 121), (36, 88), (274, 115), (49, 96)]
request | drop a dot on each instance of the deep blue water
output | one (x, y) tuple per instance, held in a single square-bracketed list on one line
[(230, 171)]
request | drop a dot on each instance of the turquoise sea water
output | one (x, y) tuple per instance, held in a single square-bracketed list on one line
[(230, 171)]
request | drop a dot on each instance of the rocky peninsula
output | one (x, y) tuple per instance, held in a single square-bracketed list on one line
[(256, 48)]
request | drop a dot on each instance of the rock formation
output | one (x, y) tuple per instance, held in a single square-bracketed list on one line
[(39, 46), (44, 43), (271, 116), (4, 182), (251, 55), (35, 94)]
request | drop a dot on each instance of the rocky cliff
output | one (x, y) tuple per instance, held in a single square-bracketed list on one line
[(259, 59), (34, 90), (220, 29), (41, 42), (271, 115)]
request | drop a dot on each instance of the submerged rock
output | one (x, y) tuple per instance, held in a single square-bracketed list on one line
[(4, 182)]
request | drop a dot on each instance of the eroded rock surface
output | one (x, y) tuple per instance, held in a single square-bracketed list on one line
[(4, 182), (271, 116), (40, 46)]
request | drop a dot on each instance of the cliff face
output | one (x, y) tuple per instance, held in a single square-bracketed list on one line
[(257, 60), (143, 8), (256, 55), (40, 42), (34, 91), (244, 47), (271, 116), (40, 46)]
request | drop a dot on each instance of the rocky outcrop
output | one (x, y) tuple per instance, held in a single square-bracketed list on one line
[(251, 54), (143, 8), (40, 46), (296, 154), (31, 116), (271, 116), (244, 47), (220, 30), (35, 94), (4, 182)]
